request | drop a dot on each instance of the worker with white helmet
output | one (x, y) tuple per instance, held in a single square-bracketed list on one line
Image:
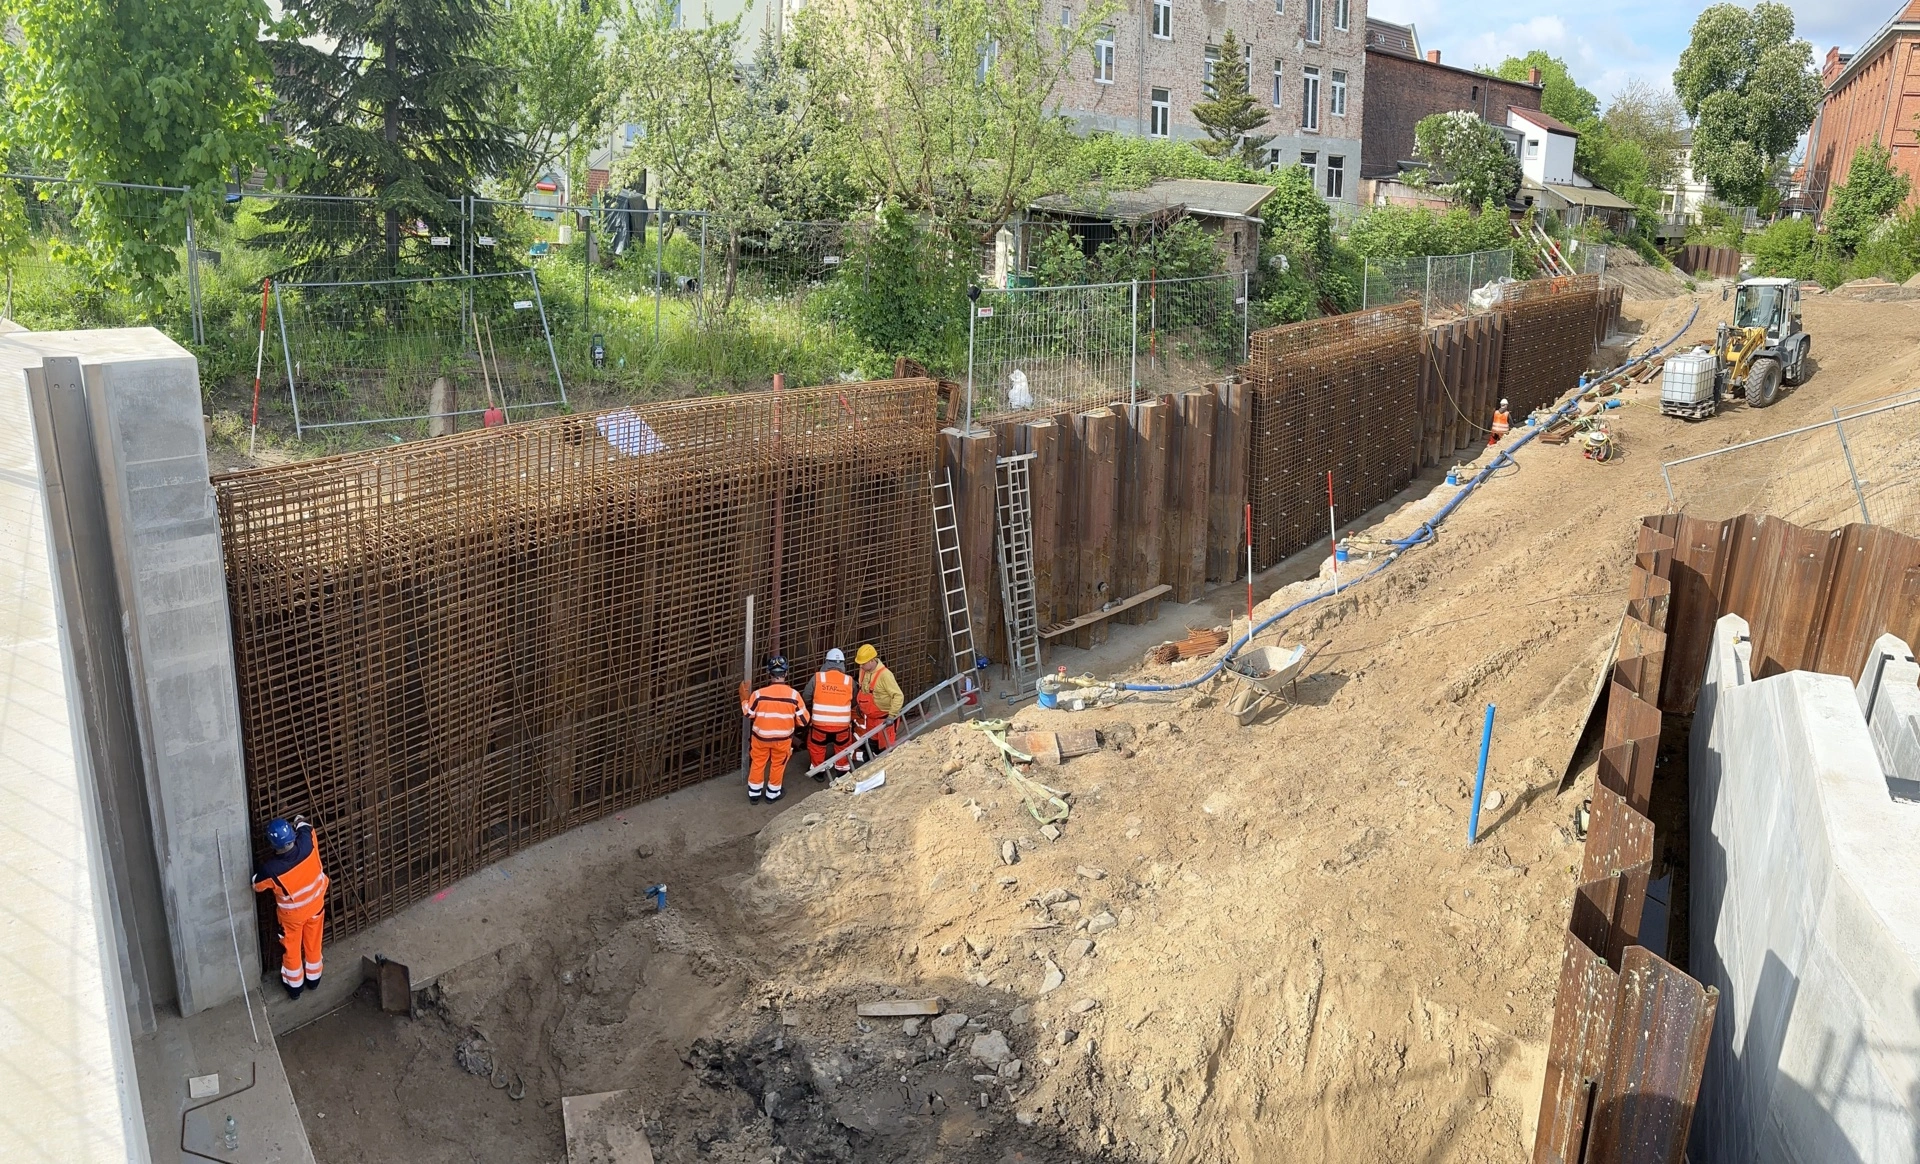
[(830, 694)]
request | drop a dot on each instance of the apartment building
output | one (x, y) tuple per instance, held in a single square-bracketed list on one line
[(1872, 95), (1152, 61)]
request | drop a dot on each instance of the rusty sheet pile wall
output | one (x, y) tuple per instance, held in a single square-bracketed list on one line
[(1339, 394), (1551, 327), (452, 649)]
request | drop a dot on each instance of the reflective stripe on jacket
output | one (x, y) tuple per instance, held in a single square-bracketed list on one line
[(832, 699), (776, 710), (301, 890)]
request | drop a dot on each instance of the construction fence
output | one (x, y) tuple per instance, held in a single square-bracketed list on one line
[(449, 650), (1441, 284)]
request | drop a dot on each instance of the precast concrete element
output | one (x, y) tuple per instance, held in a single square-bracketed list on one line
[(1805, 914), (1889, 695), (116, 416), (66, 1054)]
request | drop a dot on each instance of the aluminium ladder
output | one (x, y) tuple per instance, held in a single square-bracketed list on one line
[(1013, 497), (953, 577), (928, 709)]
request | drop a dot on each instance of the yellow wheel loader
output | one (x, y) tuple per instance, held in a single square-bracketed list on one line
[(1764, 349)]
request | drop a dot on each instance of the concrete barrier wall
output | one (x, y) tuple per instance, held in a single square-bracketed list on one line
[(1806, 916)]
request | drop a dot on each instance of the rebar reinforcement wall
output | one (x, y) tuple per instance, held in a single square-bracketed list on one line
[(1339, 394), (1550, 326), (452, 649)]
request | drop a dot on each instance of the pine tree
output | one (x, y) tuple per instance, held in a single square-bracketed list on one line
[(1232, 113), (402, 110)]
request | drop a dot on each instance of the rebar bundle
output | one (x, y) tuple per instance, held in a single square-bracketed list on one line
[(1333, 395), (451, 649)]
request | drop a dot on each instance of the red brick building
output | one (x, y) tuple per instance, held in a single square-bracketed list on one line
[(1872, 95), (1403, 87)]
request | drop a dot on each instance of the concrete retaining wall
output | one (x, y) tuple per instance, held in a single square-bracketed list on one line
[(1806, 916)]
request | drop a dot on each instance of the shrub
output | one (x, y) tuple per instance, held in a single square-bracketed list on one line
[(1784, 249)]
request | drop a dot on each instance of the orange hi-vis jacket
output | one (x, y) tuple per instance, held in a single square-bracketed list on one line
[(776, 710), (302, 890), (832, 700), (1500, 421)]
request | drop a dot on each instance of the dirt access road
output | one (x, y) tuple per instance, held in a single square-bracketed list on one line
[(1257, 944)]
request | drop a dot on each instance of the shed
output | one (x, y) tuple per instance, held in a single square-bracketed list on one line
[(1229, 210)]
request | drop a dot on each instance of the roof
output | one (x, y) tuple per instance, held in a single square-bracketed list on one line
[(1388, 37), (1424, 63), (1905, 20), (1196, 196), (1592, 197), (1765, 282), (1550, 124)]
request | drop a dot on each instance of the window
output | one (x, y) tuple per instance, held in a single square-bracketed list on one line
[(1163, 19), (1246, 64), (1160, 115), (1337, 94), (1103, 57), (1276, 84), (1310, 160), (1066, 18), (1476, 92), (1207, 66), (1273, 159), (1313, 21), (1310, 98), (1340, 14), (1336, 186), (989, 57), (1533, 147)]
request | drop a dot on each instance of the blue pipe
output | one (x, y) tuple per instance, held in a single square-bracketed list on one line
[(1480, 779), (1427, 529)]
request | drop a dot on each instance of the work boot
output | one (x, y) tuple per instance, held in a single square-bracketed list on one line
[(772, 796), (753, 796), (293, 993)]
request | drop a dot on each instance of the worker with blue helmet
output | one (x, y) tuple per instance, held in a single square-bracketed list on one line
[(293, 874)]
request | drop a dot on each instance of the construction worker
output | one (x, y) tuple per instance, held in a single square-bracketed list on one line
[(1501, 425), (774, 713), (877, 699), (299, 887), (830, 694)]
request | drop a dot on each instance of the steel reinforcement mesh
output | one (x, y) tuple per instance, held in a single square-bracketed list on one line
[(451, 649), (1549, 339), (1337, 394)]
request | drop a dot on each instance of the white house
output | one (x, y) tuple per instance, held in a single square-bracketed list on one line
[(1681, 199), (1549, 182)]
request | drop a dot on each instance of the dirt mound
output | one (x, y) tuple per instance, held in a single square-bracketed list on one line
[(1641, 280)]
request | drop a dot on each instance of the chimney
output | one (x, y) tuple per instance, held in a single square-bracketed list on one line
[(1433, 55), (1533, 76)]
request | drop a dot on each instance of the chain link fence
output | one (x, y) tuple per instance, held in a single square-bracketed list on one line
[(1862, 465), (1442, 283), (1043, 350)]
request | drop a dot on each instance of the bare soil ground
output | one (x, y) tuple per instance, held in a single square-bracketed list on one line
[(1256, 944)]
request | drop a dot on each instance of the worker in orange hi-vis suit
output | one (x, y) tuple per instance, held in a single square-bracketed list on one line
[(299, 888), (1502, 424), (877, 699), (830, 693), (774, 713)]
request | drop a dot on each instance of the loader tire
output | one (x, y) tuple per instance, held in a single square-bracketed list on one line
[(1763, 383)]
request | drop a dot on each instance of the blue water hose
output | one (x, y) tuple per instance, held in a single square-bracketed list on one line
[(1427, 529)]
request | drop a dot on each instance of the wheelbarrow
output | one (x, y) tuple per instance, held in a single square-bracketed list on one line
[(1262, 673)]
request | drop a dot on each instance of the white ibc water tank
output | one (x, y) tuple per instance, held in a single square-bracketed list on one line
[(1687, 378)]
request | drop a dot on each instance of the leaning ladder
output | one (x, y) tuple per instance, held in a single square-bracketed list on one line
[(949, 696), (1013, 498), (953, 575)]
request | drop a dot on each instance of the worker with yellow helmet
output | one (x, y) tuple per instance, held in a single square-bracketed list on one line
[(877, 699)]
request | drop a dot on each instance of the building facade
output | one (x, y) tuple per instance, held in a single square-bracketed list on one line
[(1871, 95), (1152, 61), (1403, 87)]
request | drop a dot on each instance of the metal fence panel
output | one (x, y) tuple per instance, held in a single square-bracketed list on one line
[(1441, 283), (52, 275)]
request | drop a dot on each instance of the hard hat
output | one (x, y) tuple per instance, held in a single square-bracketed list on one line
[(279, 834), (834, 655), (866, 654), (1503, 402), (777, 666)]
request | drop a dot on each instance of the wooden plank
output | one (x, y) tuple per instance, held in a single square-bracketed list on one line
[(1041, 439), (1143, 492), (1079, 742), (1227, 495), (1097, 472), (900, 1007), (1096, 617)]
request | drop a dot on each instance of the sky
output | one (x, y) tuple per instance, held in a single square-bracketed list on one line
[(1606, 45)]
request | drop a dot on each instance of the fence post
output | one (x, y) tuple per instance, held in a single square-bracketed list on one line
[(1853, 476), (1246, 308), (193, 280), (541, 303), (701, 296), (1133, 349), (659, 260), (1426, 297), (293, 393), (1470, 277), (586, 277), (1366, 281)]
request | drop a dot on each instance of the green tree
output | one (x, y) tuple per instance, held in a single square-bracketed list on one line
[(1468, 157), (1561, 97), (1650, 118), (908, 299), (753, 149), (1125, 162), (1231, 112), (557, 71), (1751, 89), (1297, 253), (1784, 250), (166, 93), (403, 106), (1872, 191), (951, 104)]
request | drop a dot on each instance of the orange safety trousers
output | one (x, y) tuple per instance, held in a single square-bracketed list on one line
[(767, 766), (867, 715), (300, 900)]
